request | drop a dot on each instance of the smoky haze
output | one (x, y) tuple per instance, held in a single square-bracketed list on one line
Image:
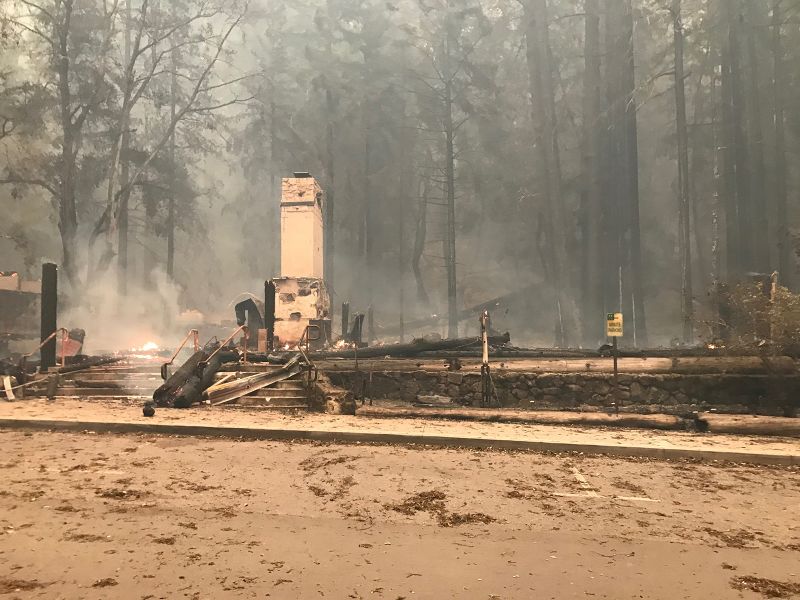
[(469, 150)]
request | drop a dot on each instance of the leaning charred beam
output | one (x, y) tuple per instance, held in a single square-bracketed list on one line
[(415, 348)]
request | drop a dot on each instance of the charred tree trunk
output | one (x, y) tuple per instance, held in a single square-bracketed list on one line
[(684, 209)]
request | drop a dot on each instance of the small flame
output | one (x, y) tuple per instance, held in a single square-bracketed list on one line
[(149, 347)]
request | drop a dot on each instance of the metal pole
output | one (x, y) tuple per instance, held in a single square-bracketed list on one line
[(616, 374), (49, 314)]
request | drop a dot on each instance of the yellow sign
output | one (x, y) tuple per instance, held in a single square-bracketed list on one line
[(614, 325)]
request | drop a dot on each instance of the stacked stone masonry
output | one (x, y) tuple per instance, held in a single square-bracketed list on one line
[(670, 394)]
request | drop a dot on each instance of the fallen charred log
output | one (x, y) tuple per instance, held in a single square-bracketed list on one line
[(415, 348), (186, 386)]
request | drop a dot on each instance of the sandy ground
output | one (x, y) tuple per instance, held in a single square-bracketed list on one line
[(141, 517), (119, 411)]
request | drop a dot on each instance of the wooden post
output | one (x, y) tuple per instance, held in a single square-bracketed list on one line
[(486, 377), (616, 375), (49, 313), (269, 314), (345, 321)]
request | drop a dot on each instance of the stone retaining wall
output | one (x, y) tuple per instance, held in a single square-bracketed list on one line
[(643, 393)]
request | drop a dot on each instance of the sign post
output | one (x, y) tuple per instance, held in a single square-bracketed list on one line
[(615, 330)]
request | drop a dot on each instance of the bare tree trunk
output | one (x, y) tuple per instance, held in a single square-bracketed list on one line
[(173, 93), (622, 212), (781, 195), (367, 242), (546, 127), (684, 209), (758, 193), (450, 179), (275, 192), (640, 336), (68, 214), (330, 165), (698, 172), (591, 200), (450, 256), (738, 217), (420, 239), (122, 223)]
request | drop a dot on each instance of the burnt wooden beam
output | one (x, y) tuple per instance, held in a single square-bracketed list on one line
[(49, 313)]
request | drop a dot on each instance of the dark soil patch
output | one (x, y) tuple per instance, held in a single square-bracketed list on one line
[(317, 491), (627, 486), (76, 468), (456, 519), (9, 586), (315, 463), (733, 539), (167, 541), (190, 485), (523, 491), (433, 503), (766, 587), (429, 502), (344, 486), (120, 494), (85, 538)]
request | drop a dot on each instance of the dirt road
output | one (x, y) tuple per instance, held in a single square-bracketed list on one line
[(140, 517)]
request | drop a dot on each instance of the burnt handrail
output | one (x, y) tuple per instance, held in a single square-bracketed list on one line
[(306, 337), (242, 328), (192, 333), (64, 338)]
